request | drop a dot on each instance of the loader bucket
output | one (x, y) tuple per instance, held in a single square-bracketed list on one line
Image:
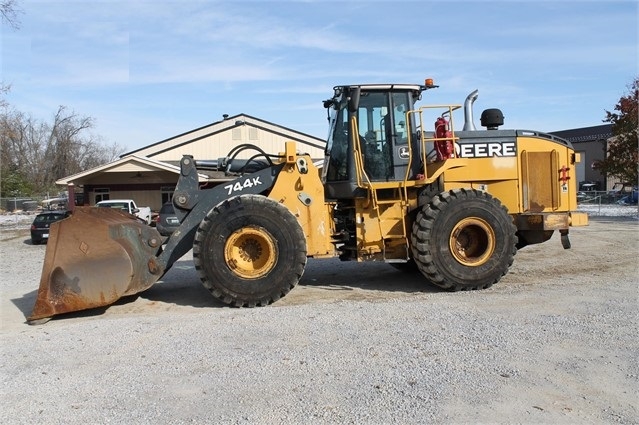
[(93, 258)]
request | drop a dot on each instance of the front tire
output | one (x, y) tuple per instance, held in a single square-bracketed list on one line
[(464, 239), (249, 251)]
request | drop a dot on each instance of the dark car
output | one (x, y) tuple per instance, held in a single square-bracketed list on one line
[(630, 199), (167, 221), (42, 222)]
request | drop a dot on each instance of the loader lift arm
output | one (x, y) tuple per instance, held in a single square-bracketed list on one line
[(192, 205)]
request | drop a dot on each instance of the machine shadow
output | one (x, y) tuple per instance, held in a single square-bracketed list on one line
[(181, 285), (374, 276)]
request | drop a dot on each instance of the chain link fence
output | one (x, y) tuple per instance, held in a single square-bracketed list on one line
[(597, 197), (608, 203), (31, 204)]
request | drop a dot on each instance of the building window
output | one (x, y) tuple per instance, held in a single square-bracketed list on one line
[(101, 194), (252, 133), (237, 134)]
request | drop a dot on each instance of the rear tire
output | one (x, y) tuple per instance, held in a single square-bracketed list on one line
[(464, 239), (249, 251)]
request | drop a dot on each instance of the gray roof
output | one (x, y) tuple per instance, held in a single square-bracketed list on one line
[(586, 134)]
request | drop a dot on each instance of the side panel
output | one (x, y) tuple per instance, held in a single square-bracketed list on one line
[(381, 231), (507, 191), (548, 176), (303, 194), (540, 187), (540, 177), (497, 176)]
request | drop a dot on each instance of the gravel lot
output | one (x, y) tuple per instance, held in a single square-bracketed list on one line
[(555, 341)]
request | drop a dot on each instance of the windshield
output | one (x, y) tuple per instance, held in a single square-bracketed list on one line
[(380, 124), (42, 218), (115, 205)]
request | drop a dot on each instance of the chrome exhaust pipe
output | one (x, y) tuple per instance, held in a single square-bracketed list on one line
[(468, 111)]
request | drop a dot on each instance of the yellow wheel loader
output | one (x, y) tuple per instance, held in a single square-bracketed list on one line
[(398, 184)]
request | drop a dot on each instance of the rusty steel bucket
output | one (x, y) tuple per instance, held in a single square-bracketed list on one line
[(92, 259)]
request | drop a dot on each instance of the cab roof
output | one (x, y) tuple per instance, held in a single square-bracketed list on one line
[(417, 87)]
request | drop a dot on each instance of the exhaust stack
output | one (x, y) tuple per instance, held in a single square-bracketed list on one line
[(468, 111)]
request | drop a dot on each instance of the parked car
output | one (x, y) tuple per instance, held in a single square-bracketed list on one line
[(630, 199), (42, 222), (129, 206), (623, 194), (167, 221)]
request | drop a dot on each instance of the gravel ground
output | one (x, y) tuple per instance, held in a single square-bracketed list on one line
[(554, 342)]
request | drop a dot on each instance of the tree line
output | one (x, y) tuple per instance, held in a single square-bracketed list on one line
[(36, 153)]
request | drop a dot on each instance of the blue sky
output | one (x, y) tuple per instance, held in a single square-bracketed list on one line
[(149, 70)]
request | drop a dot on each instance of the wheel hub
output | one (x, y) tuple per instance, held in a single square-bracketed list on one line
[(472, 241), (250, 252)]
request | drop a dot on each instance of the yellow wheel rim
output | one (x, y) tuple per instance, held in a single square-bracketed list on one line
[(472, 241), (250, 252)]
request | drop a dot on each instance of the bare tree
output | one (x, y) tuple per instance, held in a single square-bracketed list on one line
[(38, 153), (4, 89), (10, 12), (64, 142)]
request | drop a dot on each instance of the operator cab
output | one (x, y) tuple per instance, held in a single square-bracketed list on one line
[(373, 119)]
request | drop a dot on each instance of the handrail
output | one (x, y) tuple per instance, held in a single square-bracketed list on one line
[(357, 154), (419, 114)]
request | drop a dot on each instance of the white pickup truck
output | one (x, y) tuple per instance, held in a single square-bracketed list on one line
[(128, 205)]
